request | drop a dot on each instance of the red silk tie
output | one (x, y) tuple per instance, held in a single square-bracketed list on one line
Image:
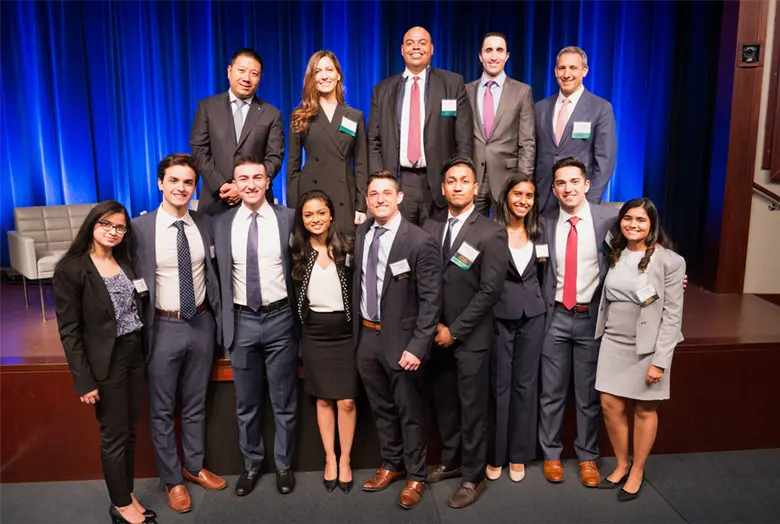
[(570, 271), (413, 152)]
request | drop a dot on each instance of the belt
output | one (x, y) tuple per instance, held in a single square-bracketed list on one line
[(578, 308), (273, 306), (373, 325), (415, 170), (175, 314)]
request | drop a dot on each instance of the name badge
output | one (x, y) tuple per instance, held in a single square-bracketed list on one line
[(449, 108), (348, 261), (580, 130), (348, 126), (465, 256), (140, 286), (212, 252), (647, 295), (542, 252), (399, 268)]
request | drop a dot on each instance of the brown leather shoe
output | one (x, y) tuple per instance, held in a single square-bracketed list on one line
[(382, 479), (411, 494), (553, 471), (206, 479), (467, 494), (440, 472), (178, 499), (589, 474)]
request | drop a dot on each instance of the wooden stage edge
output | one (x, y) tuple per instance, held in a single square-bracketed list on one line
[(724, 395)]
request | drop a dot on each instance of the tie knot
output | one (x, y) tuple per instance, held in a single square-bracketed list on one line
[(573, 221), (379, 231), (416, 78), (452, 221), (565, 102), (240, 103), (490, 83), (179, 224), (253, 215)]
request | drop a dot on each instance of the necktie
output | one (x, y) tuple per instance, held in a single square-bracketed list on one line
[(560, 124), (488, 109), (570, 271), (253, 297), (187, 305), (238, 118), (372, 299), (413, 152), (445, 248)]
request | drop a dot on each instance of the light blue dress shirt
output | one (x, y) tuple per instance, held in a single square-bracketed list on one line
[(496, 89)]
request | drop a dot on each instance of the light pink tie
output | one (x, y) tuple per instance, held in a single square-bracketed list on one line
[(413, 152), (488, 110), (560, 124)]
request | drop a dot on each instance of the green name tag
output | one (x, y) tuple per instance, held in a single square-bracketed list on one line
[(581, 130), (346, 131), (449, 108)]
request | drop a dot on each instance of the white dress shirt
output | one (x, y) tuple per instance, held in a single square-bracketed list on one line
[(167, 260), (385, 243), (496, 89), (587, 254), (458, 225), (269, 255), (244, 108), (573, 99), (324, 291), (408, 83)]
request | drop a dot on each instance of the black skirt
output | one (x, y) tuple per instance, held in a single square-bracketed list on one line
[(328, 353)]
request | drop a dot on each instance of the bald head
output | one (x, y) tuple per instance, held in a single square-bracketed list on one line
[(417, 49)]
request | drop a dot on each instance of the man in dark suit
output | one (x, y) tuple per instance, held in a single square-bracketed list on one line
[(233, 124), (172, 251), (474, 260), (576, 233), (504, 138), (255, 318), (418, 120), (574, 123), (397, 288)]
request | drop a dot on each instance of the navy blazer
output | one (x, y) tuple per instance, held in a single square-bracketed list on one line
[(221, 232), (522, 295), (143, 249)]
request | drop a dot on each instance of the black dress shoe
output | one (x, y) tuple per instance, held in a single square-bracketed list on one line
[(246, 482), (117, 518), (285, 481), (346, 487), (608, 484), (625, 496), (150, 515)]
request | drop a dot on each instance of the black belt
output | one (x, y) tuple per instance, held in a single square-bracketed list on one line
[(273, 306), (415, 170)]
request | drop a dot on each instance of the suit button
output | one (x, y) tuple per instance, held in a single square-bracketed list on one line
[(316, 159), (341, 204), (314, 181), (483, 164)]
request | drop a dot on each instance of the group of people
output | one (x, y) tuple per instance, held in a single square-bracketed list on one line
[(472, 270)]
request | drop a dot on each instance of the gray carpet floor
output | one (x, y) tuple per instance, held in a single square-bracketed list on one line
[(711, 488)]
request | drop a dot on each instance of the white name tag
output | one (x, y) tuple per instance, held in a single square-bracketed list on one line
[(400, 267), (449, 107), (212, 252), (348, 261), (580, 130), (468, 251), (542, 251), (140, 285), (647, 295), (349, 126)]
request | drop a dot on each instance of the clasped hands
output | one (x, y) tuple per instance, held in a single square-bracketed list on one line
[(90, 398), (229, 193), (443, 336)]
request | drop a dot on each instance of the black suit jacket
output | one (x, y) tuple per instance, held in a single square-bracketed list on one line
[(336, 163), (213, 144), (86, 320), (144, 254), (522, 295), (302, 286), (410, 303), (469, 295), (444, 136)]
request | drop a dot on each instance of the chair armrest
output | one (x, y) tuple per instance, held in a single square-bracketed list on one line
[(21, 251)]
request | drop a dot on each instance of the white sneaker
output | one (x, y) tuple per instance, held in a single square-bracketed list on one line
[(492, 474), (516, 476)]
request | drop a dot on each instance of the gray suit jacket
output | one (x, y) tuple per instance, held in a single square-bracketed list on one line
[(144, 255), (658, 329), (213, 144), (221, 231), (603, 219), (599, 152), (511, 146)]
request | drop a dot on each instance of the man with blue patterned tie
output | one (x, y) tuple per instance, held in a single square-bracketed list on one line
[(172, 252), (252, 244)]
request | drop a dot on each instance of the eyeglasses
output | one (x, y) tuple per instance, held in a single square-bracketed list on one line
[(108, 226)]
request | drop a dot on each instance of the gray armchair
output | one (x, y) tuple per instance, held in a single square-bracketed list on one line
[(43, 234)]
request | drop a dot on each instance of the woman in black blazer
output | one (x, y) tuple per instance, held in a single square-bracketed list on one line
[(322, 276), (100, 328), (518, 333), (334, 137)]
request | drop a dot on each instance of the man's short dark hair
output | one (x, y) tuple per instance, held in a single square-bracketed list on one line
[(384, 175), (177, 159), (248, 159), (570, 161), (496, 34), (251, 53), (458, 161)]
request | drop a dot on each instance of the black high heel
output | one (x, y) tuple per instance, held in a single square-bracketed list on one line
[(346, 487), (150, 515), (330, 485), (605, 483), (117, 518)]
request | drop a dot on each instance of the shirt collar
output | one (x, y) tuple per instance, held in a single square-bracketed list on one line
[(423, 75), (167, 220), (264, 211), (392, 225), (463, 216), (583, 214), (233, 97), (499, 80), (573, 98)]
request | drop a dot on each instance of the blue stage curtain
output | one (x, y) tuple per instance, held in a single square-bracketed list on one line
[(94, 94)]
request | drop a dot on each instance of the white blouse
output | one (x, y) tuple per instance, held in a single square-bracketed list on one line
[(324, 292), (522, 255)]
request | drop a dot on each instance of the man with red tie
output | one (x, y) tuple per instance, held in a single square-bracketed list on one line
[(419, 119), (576, 235)]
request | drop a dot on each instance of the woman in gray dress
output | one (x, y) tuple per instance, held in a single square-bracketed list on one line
[(639, 320)]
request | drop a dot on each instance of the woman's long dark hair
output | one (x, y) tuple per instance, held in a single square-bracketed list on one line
[(339, 244), (503, 213), (82, 244), (655, 237)]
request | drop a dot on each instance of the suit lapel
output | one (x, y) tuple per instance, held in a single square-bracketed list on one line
[(434, 92), (255, 110), (579, 113), (399, 107), (150, 269), (399, 242), (360, 239), (99, 286), (472, 90), (229, 116), (600, 228), (551, 230), (284, 237), (225, 238), (329, 127), (506, 92), (204, 236)]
